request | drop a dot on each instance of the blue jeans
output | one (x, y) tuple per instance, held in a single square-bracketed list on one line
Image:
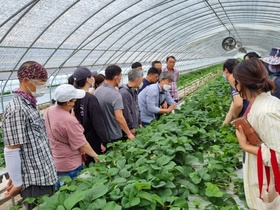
[(72, 174)]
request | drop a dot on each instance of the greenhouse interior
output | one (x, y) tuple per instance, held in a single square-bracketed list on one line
[(198, 132)]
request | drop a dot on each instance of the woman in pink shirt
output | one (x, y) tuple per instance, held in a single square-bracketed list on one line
[(66, 133)]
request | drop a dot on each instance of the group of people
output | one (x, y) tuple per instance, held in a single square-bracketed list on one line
[(37, 150), (81, 122), (252, 84)]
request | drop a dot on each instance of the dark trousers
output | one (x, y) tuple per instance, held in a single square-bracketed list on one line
[(35, 192)]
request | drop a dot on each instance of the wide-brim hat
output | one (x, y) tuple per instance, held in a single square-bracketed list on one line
[(274, 57)]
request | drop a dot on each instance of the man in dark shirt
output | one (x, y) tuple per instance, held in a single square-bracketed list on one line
[(131, 110), (151, 78)]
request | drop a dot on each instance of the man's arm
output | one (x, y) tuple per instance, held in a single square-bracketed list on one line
[(229, 115), (122, 123), (237, 105), (13, 165)]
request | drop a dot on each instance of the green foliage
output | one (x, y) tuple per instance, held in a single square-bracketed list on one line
[(188, 78), (184, 154)]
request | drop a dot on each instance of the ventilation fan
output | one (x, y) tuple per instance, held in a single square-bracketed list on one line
[(228, 43), (238, 44), (242, 50)]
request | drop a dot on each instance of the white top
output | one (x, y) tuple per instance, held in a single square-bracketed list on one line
[(264, 116)]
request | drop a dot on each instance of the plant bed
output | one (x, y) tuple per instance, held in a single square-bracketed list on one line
[(186, 159)]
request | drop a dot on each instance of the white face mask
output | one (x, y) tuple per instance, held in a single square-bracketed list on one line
[(140, 86), (40, 90), (166, 87)]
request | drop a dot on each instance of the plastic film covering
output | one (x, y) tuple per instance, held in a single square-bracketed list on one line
[(64, 34)]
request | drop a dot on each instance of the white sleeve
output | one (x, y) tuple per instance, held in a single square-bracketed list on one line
[(13, 165)]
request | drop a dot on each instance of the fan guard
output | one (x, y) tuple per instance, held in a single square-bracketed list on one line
[(228, 43)]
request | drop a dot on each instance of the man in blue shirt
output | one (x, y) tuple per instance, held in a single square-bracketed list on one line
[(151, 98)]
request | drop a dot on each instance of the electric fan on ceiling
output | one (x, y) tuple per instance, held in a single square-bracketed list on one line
[(238, 44), (228, 43), (242, 50)]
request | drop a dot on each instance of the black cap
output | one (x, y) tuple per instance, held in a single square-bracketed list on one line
[(81, 73)]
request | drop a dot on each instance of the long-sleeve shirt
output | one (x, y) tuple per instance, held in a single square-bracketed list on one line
[(149, 101), (89, 114), (131, 110)]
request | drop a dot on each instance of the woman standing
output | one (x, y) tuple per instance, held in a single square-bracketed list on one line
[(252, 83), (87, 111), (66, 133)]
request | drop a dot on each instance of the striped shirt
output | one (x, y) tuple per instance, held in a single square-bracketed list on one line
[(264, 116), (23, 125), (173, 91)]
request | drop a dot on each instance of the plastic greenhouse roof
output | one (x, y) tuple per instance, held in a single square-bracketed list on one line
[(63, 34)]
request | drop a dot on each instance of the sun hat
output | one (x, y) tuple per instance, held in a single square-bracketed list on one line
[(67, 92), (274, 57)]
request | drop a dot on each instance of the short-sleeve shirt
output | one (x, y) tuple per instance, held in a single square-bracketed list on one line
[(23, 125), (110, 100), (64, 127), (234, 92)]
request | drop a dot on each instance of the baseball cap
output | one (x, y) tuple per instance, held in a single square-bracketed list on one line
[(67, 92), (81, 73)]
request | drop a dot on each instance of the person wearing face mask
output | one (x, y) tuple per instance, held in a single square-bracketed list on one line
[(151, 98), (66, 134), (170, 67), (131, 110), (88, 112), (238, 105), (27, 151), (111, 104)]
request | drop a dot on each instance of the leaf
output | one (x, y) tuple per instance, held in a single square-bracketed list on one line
[(163, 160), (142, 185), (134, 201), (60, 207), (145, 196), (213, 190), (124, 173), (96, 192), (113, 171), (74, 198), (195, 178), (160, 184), (112, 206), (157, 199), (180, 202), (120, 163)]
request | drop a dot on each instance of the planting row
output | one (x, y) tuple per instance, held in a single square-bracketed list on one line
[(175, 163)]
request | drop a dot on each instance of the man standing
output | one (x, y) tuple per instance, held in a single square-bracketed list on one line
[(170, 63), (131, 110), (238, 105), (137, 65), (151, 98), (151, 78), (27, 151), (111, 104), (157, 65)]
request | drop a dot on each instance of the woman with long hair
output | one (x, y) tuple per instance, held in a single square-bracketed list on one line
[(252, 83)]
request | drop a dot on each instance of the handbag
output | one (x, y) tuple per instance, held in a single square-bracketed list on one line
[(269, 199), (83, 154), (252, 137)]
